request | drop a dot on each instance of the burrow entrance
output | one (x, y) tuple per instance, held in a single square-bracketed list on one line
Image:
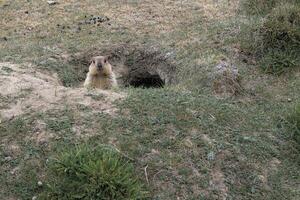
[(134, 65)]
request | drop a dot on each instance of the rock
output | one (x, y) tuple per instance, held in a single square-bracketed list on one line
[(8, 158), (188, 143), (289, 100), (225, 80), (34, 198), (51, 2), (40, 183)]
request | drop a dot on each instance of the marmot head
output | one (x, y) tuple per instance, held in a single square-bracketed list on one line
[(100, 65)]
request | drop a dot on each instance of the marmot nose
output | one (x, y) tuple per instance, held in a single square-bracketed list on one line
[(99, 66)]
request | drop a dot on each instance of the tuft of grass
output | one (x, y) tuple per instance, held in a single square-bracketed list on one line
[(92, 173), (293, 122), (17, 126), (275, 39), (260, 7)]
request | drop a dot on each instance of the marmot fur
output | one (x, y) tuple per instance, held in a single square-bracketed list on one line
[(100, 74)]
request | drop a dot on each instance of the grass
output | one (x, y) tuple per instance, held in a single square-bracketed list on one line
[(92, 173), (180, 141), (293, 124), (261, 7), (274, 39)]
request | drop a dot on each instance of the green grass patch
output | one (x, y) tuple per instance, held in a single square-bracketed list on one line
[(92, 173), (275, 39), (260, 7), (15, 127), (293, 122)]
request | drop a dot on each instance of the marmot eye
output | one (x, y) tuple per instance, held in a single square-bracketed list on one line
[(93, 61)]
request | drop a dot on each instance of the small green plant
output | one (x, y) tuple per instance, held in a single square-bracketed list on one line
[(277, 62), (17, 126), (92, 173), (293, 122), (275, 39)]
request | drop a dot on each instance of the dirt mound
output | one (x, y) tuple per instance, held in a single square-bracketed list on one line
[(135, 65), (24, 89)]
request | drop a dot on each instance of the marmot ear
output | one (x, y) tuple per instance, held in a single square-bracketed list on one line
[(92, 61), (106, 59)]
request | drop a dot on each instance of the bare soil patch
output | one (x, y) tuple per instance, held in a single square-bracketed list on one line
[(25, 89)]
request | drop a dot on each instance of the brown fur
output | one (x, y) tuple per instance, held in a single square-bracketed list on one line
[(100, 74)]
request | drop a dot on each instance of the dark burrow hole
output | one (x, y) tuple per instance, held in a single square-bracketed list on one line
[(147, 81), (134, 65)]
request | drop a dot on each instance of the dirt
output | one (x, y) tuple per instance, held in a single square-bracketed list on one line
[(43, 91), (217, 183)]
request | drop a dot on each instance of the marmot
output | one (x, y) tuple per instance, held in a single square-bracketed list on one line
[(100, 74)]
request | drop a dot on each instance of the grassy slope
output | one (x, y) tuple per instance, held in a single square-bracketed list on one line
[(195, 146)]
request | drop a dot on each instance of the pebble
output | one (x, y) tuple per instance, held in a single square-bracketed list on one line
[(40, 183), (188, 143), (51, 2), (34, 198), (8, 158)]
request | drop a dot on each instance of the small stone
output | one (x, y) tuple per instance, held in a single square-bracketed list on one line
[(154, 151), (51, 2), (34, 198), (5, 38), (188, 143), (289, 100), (7, 158), (40, 183)]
